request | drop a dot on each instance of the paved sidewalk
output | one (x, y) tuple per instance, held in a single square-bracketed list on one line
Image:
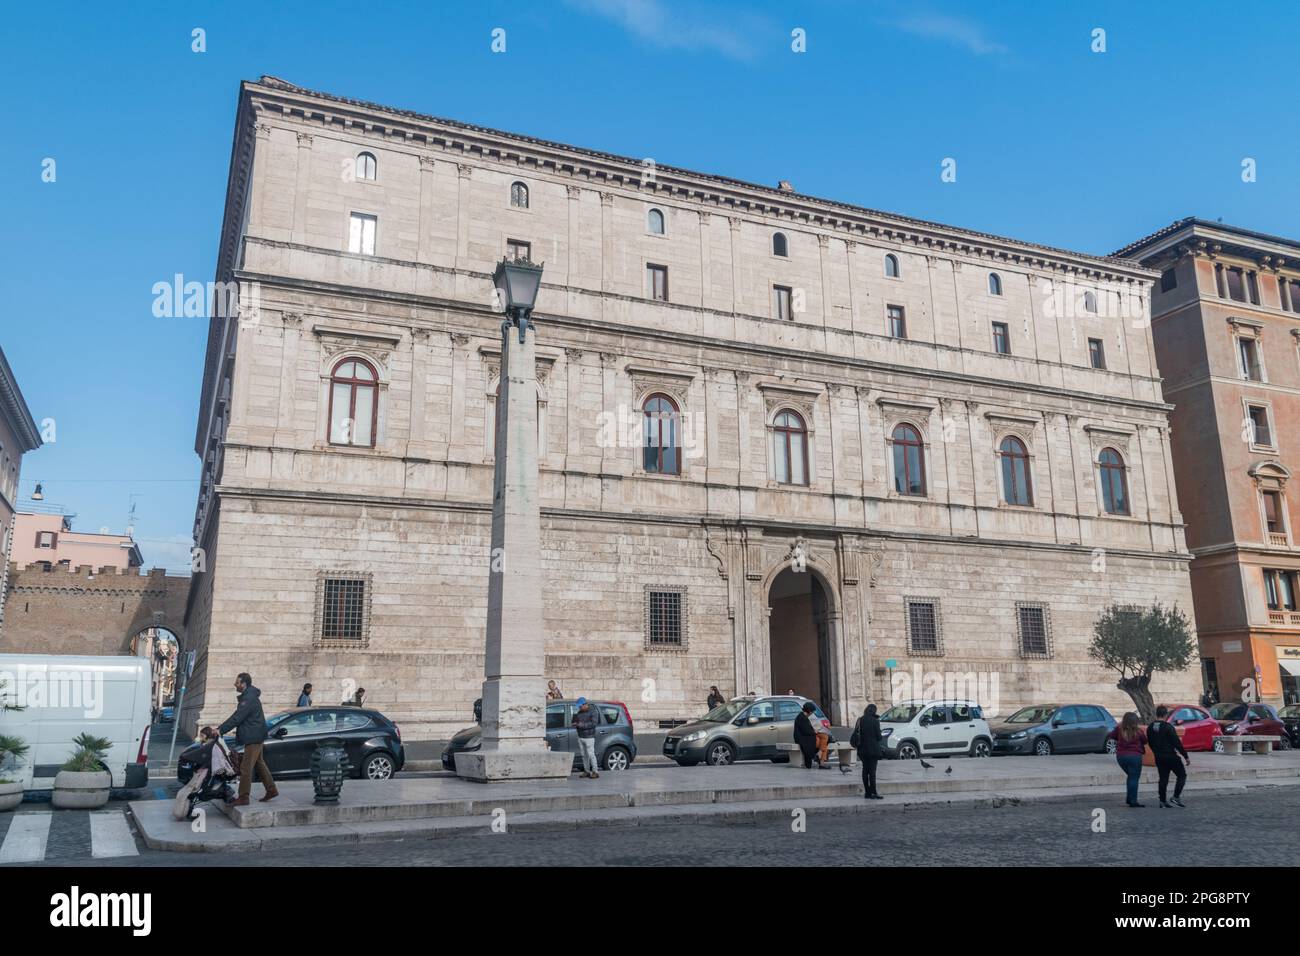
[(434, 806)]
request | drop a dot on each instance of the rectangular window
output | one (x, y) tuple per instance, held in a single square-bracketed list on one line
[(1283, 299), (1096, 353), (518, 249), (1218, 282), (1273, 512), (46, 539), (361, 234), (923, 637), (656, 280), (1168, 280), (1248, 352), (1236, 280), (1252, 287), (1295, 295), (782, 302), (1001, 338), (343, 607), (665, 617), (1260, 432), (1035, 634), (897, 321), (1280, 589)]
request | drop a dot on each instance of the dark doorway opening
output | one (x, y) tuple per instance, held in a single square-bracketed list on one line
[(799, 636)]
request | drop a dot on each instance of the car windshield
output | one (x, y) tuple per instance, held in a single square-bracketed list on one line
[(1032, 715), (725, 712), (1228, 711), (899, 714), (1290, 710)]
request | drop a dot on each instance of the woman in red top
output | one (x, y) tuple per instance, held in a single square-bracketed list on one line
[(1130, 744)]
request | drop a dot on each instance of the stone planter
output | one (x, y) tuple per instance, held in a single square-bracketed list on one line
[(11, 794), (74, 790)]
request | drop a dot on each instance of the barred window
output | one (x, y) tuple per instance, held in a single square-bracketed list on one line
[(342, 608), (923, 636), (1035, 632), (665, 617)]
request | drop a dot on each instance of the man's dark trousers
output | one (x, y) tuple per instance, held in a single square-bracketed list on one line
[(1164, 767), (869, 775)]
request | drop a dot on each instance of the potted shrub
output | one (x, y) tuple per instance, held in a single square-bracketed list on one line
[(83, 782), (11, 791)]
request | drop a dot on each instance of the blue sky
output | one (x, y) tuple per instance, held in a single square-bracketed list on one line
[(1054, 143)]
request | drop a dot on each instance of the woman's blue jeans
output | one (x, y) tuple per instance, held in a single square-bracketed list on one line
[(1131, 764)]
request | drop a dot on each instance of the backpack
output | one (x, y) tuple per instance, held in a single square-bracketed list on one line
[(856, 740)]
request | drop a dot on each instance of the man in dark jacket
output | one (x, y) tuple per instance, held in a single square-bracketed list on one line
[(585, 721), (866, 739), (805, 736), (249, 724), (1165, 746)]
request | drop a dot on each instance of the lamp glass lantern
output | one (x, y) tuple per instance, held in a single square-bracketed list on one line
[(518, 281)]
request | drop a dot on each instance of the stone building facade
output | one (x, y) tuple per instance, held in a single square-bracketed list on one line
[(1226, 322), (875, 440), (18, 435)]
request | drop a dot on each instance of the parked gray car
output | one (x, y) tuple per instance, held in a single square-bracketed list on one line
[(1046, 729), (747, 728), (615, 744)]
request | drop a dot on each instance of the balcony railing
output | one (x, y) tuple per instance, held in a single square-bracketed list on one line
[(1278, 539), (1285, 618)]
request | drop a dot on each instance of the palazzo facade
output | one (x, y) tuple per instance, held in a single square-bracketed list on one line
[(784, 443)]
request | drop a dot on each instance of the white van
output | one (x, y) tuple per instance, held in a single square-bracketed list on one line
[(65, 696)]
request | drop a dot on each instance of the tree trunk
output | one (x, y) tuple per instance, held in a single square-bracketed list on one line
[(1138, 688)]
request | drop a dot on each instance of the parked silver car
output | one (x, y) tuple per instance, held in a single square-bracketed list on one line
[(1045, 729), (746, 728)]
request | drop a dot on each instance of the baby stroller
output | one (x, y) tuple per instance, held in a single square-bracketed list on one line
[(210, 768)]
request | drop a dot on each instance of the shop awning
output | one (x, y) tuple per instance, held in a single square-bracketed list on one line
[(1291, 667)]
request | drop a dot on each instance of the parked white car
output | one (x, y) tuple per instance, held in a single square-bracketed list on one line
[(935, 728), (62, 696)]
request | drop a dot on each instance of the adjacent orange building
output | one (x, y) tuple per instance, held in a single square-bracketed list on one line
[(1226, 324)]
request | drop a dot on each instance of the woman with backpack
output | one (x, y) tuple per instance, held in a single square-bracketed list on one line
[(1130, 745), (866, 740)]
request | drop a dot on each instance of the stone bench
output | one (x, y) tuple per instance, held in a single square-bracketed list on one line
[(1261, 744), (845, 752)]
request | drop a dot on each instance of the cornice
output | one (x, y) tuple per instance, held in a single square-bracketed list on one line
[(15, 408)]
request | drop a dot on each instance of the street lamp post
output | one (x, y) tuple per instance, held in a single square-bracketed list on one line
[(513, 723)]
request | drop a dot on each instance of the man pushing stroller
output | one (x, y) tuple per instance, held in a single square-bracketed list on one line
[(212, 766)]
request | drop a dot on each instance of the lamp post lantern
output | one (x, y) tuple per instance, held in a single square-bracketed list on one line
[(514, 687)]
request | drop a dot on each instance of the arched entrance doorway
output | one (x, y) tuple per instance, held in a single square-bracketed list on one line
[(161, 647), (799, 636)]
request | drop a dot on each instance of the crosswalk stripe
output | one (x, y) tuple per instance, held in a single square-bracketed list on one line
[(110, 835), (27, 837)]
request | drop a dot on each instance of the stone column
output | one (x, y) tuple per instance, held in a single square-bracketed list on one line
[(286, 418), (514, 688), (302, 186)]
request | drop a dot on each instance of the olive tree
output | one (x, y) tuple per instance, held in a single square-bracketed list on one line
[(1138, 643)]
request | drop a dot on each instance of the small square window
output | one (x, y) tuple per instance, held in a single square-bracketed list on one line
[(342, 609), (782, 302), (361, 234), (518, 249), (923, 636), (1261, 434), (1034, 630), (1248, 354), (665, 617), (897, 321), (1001, 338)]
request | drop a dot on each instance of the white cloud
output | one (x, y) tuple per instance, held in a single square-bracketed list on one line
[(683, 27), (949, 29)]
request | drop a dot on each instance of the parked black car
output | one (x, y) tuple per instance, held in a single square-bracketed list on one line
[(1290, 717), (372, 741)]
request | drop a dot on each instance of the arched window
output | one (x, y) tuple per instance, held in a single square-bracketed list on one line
[(1090, 302), (367, 167), (891, 266), (660, 441), (909, 461), (995, 284), (1016, 488), (1114, 482), (354, 403), (654, 222), (519, 195), (780, 246), (790, 449)]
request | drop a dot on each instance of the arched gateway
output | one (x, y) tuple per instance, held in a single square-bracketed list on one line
[(803, 635)]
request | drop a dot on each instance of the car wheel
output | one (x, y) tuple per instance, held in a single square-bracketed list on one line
[(1218, 745), (1110, 748), (1284, 743), (378, 766), (908, 751), (1042, 747), (981, 748), (687, 763), (721, 754), (617, 758)]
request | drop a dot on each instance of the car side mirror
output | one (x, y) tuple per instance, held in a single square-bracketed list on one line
[(279, 733), (752, 720), (1057, 723), (925, 721)]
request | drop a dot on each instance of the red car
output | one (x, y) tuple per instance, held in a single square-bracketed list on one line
[(1195, 726), (1249, 720)]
